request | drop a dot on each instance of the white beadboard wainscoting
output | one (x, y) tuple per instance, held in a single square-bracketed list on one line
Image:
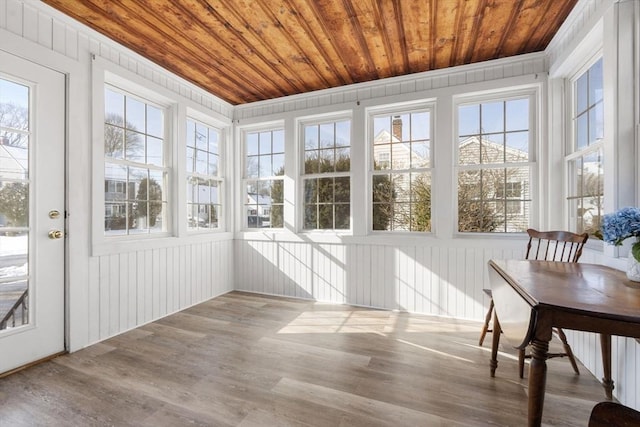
[(130, 289), (442, 280)]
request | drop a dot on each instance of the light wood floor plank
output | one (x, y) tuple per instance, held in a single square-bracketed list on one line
[(251, 360)]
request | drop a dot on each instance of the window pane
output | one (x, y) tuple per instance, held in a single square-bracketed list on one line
[(191, 133), (468, 120), (595, 83), (419, 154), (252, 144), (253, 167), (517, 115), (214, 137), (327, 135), (135, 147), (277, 165), (213, 165), (581, 94), (278, 141), (202, 161), (155, 121), (154, 151), (265, 165), (14, 159), (113, 141), (113, 107), (265, 142), (311, 141), (517, 149), (492, 114), (343, 134), (582, 131), (596, 123), (381, 130), (135, 115), (420, 126)]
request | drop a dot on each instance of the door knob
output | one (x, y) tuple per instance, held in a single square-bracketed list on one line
[(55, 234)]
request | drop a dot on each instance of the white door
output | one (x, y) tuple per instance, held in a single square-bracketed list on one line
[(32, 129)]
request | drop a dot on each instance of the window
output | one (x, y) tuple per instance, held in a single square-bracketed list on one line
[(264, 178), (401, 177), (204, 182), (494, 165), (326, 180), (136, 169), (585, 152)]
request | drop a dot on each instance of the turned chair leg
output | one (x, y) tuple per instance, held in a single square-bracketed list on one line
[(567, 349), (521, 357), (487, 319)]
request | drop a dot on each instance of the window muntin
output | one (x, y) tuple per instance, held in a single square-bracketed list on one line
[(401, 171), (585, 159), (264, 178), (136, 171), (494, 165), (326, 179), (203, 174)]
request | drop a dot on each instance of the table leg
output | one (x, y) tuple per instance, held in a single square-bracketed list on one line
[(494, 344), (537, 381), (607, 382)]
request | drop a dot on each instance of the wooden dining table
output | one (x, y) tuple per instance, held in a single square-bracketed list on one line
[(533, 297)]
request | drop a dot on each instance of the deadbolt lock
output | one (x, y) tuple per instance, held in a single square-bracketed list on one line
[(56, 234), (54, 214)]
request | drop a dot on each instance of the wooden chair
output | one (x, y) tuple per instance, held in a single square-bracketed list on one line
[(562, 246), (612, 414)]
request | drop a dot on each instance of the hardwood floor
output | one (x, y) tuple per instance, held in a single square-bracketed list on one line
[(249, 360)]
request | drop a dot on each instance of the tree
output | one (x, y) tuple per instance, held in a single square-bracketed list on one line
[(12, 117), (117, 140), (149, 200), (14, 203), (327, 200), (475, 214), (383, 194), (421, 216)]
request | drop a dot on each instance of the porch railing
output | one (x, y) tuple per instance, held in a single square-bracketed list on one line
[(10, 317)]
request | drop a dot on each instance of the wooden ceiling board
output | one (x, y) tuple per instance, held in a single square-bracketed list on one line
[(252, 50), (445, 33), (491, 29)]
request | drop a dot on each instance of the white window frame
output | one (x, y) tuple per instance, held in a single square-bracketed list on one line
[(242, 206), (105, 72), (165, 169), (300, 124), (571, 151), (533, 93), (207, 120), (392, 110)]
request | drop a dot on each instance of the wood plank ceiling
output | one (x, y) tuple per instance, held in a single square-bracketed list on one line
[(252, 50)]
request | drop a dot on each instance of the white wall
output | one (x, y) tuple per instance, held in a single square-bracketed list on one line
[(116, 291)]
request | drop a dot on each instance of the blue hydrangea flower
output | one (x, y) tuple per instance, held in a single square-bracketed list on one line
[(620, 225)]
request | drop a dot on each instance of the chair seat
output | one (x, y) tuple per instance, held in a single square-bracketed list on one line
[(608, 414)]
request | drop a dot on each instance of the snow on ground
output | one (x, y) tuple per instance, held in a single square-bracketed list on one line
[(13, 245)]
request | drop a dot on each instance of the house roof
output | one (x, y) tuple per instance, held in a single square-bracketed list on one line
[(251, 50)]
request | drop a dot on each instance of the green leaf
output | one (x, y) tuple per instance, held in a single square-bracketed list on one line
[(635, 250)]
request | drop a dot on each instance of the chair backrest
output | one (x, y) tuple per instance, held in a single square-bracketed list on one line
[(563, 246)]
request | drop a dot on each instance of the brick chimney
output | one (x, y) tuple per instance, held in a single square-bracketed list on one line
[(396, 127)]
